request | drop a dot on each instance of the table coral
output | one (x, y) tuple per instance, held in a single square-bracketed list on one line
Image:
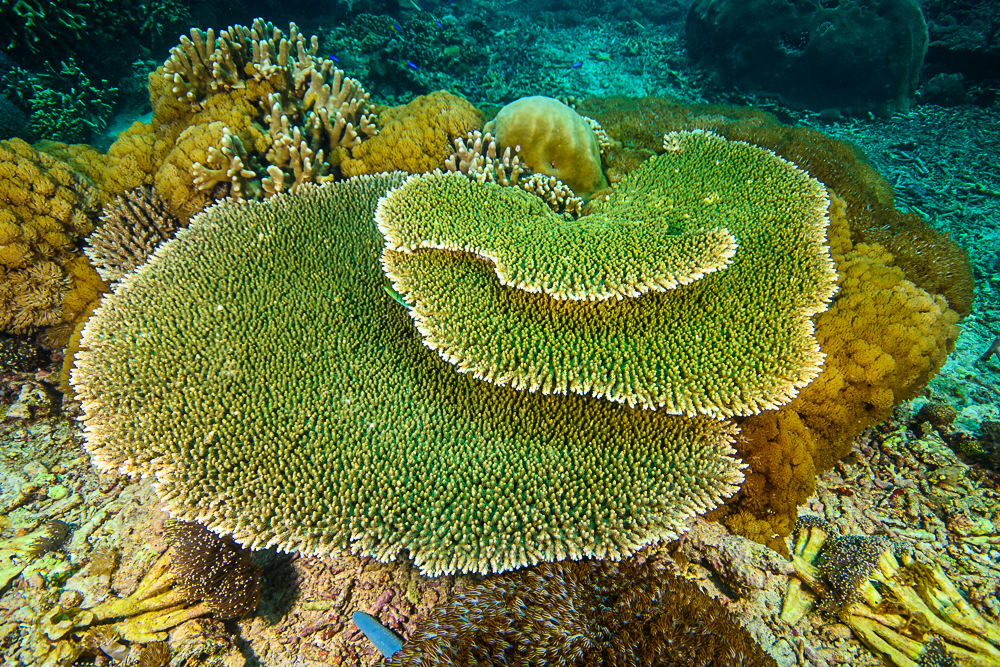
[(361, 437), (416, 137), (699, 337), (46, 209)]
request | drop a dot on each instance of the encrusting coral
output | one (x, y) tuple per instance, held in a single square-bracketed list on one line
[(132, 228), (250, 113), (552, 139), (706, 338), (586, 613), (319, 422), (45, 208), (914, 614)]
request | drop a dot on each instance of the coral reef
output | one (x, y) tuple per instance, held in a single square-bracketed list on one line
[(18, 355), (681, 258), (582, 613), (416, 137), (132, 228), (845, 55), (404, 454), (46, 207), (552, 139)]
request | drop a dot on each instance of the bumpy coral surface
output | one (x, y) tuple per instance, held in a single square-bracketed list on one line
[(132, 228), (552, 139), (582, 614), (729, 340), (46, 207), (416, 137), (312, 418)]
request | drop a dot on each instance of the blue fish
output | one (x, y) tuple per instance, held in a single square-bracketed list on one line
[(334, 58), (411, 65), (577, 65)]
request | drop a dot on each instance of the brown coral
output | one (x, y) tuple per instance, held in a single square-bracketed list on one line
[(416, 137), (213, 569), (582, 613), (133, 226)]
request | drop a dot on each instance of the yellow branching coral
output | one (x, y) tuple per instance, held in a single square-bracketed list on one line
[(582, 614), (311, 417), (552, 139), (735, 341)]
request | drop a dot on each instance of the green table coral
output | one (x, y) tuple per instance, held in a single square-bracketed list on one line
[(728, 340), (257, 366)]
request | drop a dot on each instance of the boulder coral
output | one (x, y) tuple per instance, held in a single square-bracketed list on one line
[(552, 139), (311, 417), (45, 208)]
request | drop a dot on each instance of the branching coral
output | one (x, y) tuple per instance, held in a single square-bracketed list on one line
[(902, 609), (320, 422), (586, 613), (251, 113), (706, 338), (475, 156), (132, 228)]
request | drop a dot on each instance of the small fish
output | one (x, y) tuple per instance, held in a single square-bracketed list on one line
[(396, 28), (577, 65), (334, 58), (437, 23), (396, 296), (411, 65)]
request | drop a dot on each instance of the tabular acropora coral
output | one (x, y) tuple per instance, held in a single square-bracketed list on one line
[(250, 113), (550, 302), (582, 614), (416, 137), (902, 288), (311, 417), (552, 139), (45, 208)]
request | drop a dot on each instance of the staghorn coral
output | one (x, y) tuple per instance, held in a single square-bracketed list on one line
[(582, 613), (415, 137), (321, 423), (904, 610), (213, 569), (46, 207), (552, 139), (657, 232), (249, 114), (132, 228)]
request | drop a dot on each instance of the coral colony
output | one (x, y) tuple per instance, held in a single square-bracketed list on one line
[(611, 381)]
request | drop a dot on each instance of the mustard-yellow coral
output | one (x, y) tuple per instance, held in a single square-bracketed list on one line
[(730, 342), (312, 418), (416, 137), (552, 139), (45, 208)]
